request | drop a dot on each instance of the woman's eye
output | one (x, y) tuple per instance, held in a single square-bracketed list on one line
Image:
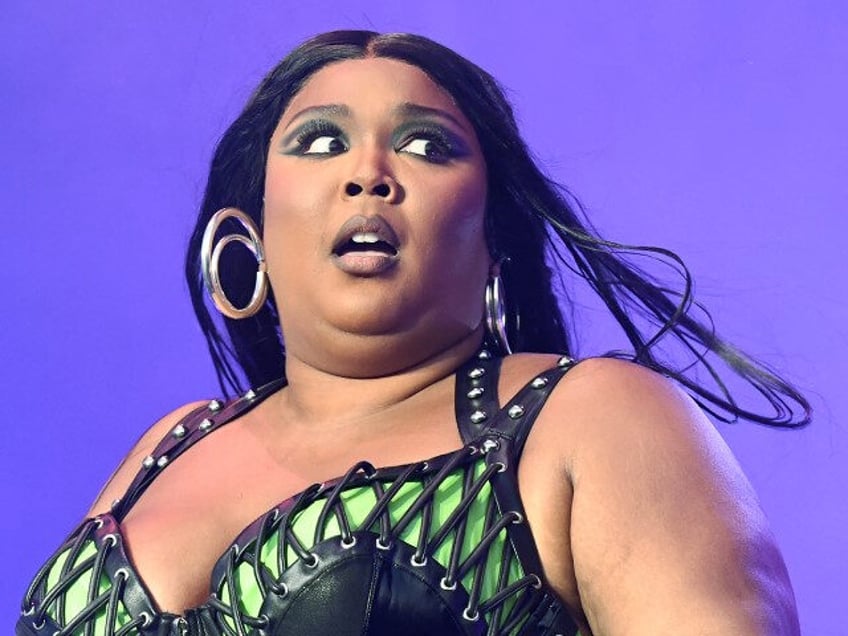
[(322, 145), (430, 149)]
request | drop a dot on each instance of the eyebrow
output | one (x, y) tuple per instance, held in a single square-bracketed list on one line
[(409, 109), (405, 109)]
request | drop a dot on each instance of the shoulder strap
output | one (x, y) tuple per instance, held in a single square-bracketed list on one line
[(187, 432), (476, 394), (477, 408), (515, 420)]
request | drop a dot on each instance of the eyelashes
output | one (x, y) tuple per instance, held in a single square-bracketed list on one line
[(433, 143), (319, 137), (430, 142)]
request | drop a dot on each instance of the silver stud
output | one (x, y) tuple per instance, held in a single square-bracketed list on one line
[(540, 382), (205, 425), (565, 361), (115, 503), (148, 461), (250, 395), (484, 354), (488, 445), (179, 431), (476, 372), (162, 461), (215, 406), (515, 411), (478, 416), (474, 393)]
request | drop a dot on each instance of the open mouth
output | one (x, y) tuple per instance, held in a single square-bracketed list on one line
[(365, 242)]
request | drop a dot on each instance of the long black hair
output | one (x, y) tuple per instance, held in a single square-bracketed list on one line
[(530, 220)]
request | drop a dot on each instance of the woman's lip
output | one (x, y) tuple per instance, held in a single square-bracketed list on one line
[(367, 263), (375, 225)]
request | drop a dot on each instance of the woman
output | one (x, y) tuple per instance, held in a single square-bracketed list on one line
[(430, 482)]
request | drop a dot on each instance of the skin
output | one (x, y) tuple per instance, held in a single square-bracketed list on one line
[(644, 522)]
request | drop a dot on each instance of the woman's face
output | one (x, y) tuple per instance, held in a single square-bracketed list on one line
[(375, 194)]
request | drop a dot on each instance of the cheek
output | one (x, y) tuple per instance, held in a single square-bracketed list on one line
[(291, 190), (463, 226)]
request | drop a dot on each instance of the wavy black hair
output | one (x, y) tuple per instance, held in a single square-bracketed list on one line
[(530, 220)]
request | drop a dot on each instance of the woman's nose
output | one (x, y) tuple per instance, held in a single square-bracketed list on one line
[(380, 185)]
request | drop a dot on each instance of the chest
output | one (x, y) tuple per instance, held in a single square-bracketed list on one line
[(191, 513)]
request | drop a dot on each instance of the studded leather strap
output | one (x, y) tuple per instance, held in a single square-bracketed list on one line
[(502, 433), (188, 431)]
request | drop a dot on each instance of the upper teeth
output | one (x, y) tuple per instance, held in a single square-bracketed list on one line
[(365, 237)]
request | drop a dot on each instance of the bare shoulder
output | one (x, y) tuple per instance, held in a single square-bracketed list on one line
[(121, 479), (664, 528)]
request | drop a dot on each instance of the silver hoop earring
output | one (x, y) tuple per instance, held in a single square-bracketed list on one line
[(496, 311), (209, 262)]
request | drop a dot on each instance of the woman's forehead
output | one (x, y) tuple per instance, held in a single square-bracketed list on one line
[(371, 84)]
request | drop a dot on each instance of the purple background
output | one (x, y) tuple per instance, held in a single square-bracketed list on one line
[(714, 129)]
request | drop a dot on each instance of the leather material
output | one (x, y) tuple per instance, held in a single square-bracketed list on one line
[(366, 580)]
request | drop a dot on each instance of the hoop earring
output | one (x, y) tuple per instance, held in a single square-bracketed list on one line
[(496, 310), (209, 262)]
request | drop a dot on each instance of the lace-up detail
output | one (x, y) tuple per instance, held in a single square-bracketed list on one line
[(78, 591), (440, 540), (439, 514)]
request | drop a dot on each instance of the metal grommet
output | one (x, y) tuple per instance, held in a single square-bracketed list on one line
[(40, 625), (146, 618), (280, 589), (470, 617), (98, 522), (416, 563), (348, 542), (425, 465), (264, 621), (500, 466), (110, 538), (517, 517), (312, 564), (382, 546), (445, 585), (29, 611), (537, 582), (122, 572)]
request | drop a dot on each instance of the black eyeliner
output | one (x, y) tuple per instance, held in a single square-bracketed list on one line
[(452, 143), (295, 142)]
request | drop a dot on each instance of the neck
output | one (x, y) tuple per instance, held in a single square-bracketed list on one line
[(326, 398)]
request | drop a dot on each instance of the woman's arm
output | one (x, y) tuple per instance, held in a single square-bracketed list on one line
[(666, 533)]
